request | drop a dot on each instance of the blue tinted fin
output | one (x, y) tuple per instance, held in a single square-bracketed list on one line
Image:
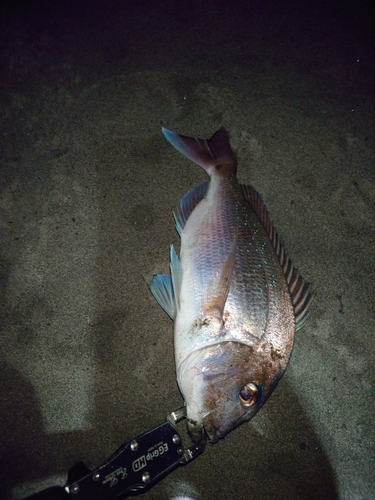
[(162, 289), (209, 154)]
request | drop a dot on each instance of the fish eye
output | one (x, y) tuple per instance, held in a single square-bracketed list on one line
[(249, 394)]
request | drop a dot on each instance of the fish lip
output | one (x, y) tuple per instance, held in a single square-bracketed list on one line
[(213, 439), (196, 431), (199, 430), (200, 434), (204, 417), (215, 435)]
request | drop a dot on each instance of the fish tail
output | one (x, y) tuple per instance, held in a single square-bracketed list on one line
[(214, 155)]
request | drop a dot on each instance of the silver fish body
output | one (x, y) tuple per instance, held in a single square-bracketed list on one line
[(235, 298)]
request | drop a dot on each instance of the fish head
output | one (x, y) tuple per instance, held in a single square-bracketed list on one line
[(226, 384)]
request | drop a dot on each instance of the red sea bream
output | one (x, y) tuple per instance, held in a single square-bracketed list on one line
[(234, 295)]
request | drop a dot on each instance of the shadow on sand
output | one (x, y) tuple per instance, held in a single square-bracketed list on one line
[(285, 462)]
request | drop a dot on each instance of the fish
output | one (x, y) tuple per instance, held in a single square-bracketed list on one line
[(233, 293)]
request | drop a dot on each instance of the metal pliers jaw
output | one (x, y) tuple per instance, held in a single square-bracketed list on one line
[(196, 448)]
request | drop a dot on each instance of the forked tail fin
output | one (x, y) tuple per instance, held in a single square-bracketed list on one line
[(214, 155)]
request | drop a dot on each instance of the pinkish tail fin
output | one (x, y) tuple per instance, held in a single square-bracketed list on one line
[(214, 155)]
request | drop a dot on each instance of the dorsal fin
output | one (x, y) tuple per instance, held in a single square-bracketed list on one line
[(188, 204), (300, 290)]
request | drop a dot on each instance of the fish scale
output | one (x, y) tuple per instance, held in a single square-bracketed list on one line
[(257, 278), (234, 295)]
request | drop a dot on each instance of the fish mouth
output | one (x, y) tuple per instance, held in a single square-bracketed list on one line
[(213, 437), (200, 432), (209, 379), (204, 432), (194, 374), (210, 429), (197, 431)]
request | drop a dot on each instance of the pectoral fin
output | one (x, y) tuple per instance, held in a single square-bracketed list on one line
[(218, 289), (166, 288), (162, 289)]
